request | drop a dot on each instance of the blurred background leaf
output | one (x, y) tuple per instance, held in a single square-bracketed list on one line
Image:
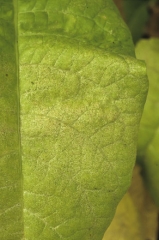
[(136, 215), (148, 141)]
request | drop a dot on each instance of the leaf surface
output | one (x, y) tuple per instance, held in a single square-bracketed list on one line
[(70, 115)]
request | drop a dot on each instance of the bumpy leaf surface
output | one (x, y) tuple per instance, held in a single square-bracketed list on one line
[(148, 150), (72, 95)]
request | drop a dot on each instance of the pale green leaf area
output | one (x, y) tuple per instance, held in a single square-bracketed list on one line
[(148, 150), (72, 95)]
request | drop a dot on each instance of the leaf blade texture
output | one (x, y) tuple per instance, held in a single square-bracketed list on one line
[(79, 100), (11, 203)]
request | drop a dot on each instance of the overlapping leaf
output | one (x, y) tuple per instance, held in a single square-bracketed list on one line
[(72, 95)]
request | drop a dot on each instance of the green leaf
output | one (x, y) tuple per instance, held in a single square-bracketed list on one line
[(148, 152), (72, 95)]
